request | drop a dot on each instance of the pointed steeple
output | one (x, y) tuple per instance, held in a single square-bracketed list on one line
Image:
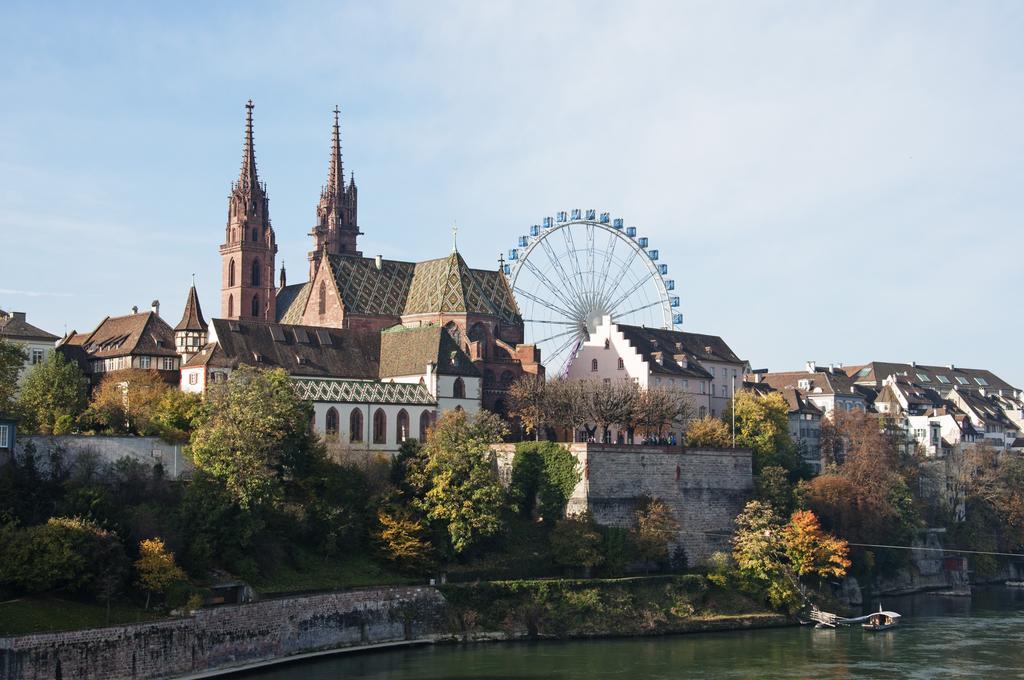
[(192, 319), (335, 172), (247, 176), (336, 231), (250, 247)]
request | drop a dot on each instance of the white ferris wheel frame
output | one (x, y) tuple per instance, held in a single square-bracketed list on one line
[(523, 253)]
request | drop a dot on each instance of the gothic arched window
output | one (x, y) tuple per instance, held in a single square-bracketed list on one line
[(255, 273), (402, 426), (231, 272), (593, 365), (331, 428), (255, 305), (231, 306), (323, 298), (355, 426), (255, 237), (380, 427), (459, 389), (424, 425)]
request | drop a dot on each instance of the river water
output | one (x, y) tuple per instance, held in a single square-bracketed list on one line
[(938, 637)]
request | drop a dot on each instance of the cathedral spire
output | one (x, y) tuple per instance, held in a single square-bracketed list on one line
[(247, 176), (335, 172)]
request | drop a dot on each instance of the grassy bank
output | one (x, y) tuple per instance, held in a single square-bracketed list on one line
[(42, 615), (600, 607)]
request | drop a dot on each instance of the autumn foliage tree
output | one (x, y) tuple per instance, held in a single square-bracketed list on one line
[(866, 498), (776, 554), (403, 539), (126, 401), (156, 568), (708, 432)]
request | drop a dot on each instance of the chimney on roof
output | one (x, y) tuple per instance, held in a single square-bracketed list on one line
[(378, 260), (18, 316), (155, 306), (951, 367), (759, 374), (135, 309), (811, 367), (913, 364)]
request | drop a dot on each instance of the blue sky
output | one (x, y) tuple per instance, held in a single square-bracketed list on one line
[(831, 181)]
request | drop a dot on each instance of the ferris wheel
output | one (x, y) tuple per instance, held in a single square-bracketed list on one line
[(572, 270)]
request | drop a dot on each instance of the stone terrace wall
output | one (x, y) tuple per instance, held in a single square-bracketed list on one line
[(706, 488), (148, 450), (222, 637)]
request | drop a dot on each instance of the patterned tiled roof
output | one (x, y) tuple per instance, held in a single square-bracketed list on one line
[(444, 285), (365, 289), (291, 301), (362, 392)]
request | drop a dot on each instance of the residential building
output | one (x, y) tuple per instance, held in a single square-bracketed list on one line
[(140, 340), (698, 365), (37, 343), (828, 388)]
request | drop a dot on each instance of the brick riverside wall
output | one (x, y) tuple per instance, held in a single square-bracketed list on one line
[(705, 488), (228, 636)]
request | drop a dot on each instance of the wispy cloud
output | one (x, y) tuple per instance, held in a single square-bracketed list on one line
[(33, 293)]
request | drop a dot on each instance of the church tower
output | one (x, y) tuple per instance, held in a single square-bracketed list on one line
[(247, 255), (191, 333), (336, 230)]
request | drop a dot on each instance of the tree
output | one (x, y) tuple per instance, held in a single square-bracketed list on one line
[(866, 498), (156, 568), (576, 542), (66, 553), (126, 401), (611, 403), (762, 425), (773, 487), (658, 408), (708, 432), (52, 396), (254, 434), (402, 538), (655, 528), (12, 358), (544, 475), (528, 401), (176, 415), (775, 555), (568, 405), (460, 484)]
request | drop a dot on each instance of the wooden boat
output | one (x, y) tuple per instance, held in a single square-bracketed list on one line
[(881, 620)]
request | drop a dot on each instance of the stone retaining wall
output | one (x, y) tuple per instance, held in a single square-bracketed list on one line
[(148, 450), (705, 488), (224, 637)]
